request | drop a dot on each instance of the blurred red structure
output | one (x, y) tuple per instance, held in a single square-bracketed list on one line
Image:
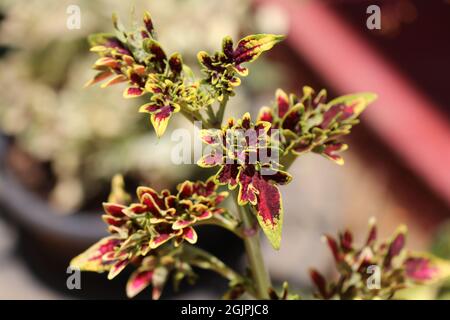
[(403, 117)]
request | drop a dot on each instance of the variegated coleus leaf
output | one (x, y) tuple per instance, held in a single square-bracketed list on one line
[(425, 268), (160, 115), (262, 192), (173, 216), (250, 48), (120, 57), (155, 226), (153, 271), (242, 150), (157, 57), (95, 258), (168, 93), (389, 261), (310, 124), (223, 68), (164, 101), (137, 58), (156, 268)]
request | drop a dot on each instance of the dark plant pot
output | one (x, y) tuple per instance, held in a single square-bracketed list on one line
[(48, 240)]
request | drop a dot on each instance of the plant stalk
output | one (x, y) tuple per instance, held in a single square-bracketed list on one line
[(206, 260), (258, 269), (287, 161), (219, 223), (221, 111)]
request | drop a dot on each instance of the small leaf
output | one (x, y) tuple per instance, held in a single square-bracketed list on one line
[(227, 47), (269, 210), (101, 39), (211, 136), (107, 62), (160, 239), (424, 268), (291, 119), (159, 279), (250, 48), (148, 23), (115, 80), (204, 59), (265, 114), (99, 77), (157, 55), (331, 150), (210, 160), (227, 175), (160, 120), (184, 223), (138, 281), (333, 245), (190, 235), (92, 258), (396, 245), (117, 268), (372, 236), (346, 240), (357, 102), (282, 102), (133, 92), (176, 64), (247, 190), (117, 24), (114, 209), (346, 108), (320, 283)]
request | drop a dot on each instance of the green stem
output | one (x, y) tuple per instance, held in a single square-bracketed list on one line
[(287, 161), (237, 231), (221, 112), (196, 116), (205, 123), (188, 115), (211, 114), (206, 260), (259, 272)]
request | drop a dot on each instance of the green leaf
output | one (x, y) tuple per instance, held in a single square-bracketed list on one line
[(92, 258)]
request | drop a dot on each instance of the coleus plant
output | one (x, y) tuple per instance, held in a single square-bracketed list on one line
[(156, 230), (376, 270)]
